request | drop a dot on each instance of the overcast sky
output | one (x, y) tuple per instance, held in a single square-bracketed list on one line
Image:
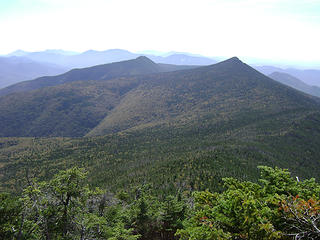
[(279, 30)]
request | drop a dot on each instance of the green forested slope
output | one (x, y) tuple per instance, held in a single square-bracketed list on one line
[(70, 109), (73, 103), (182, 130), (169, 158), (230, 91)]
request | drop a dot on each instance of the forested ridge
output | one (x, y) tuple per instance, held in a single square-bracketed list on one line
[(184, 128)]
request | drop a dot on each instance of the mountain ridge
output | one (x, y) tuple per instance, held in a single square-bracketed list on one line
[(308, 76), (140, 65), (66, 106), (91, 58), (153, 106), (296, 83), (137, 94)]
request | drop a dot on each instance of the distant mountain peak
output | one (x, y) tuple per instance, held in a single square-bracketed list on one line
[(234, 59), (117, 50), (144, 59), (90, 51), (231, 63), (18, 53)]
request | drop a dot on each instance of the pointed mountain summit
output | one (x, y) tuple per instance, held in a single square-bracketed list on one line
[(144, 59), (233, 59), (232, 64)]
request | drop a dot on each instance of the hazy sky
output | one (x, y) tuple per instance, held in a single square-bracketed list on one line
[(281, 30)]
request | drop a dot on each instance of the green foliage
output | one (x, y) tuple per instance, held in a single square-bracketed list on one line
[(171, 215), (66, 208), (277, 181), (247, 210), (238, 213), (121, 233), (10, 209)]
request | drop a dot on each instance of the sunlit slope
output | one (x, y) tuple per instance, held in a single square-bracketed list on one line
[(71, 104)]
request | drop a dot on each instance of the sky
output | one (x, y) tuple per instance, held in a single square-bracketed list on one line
[(275, 30)]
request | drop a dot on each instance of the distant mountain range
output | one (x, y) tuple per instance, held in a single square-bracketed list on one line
[(92, 57), (141, 65), (52, 62), (296, 83), (20, 65), (308, 76), (20, 53), (17, 69)]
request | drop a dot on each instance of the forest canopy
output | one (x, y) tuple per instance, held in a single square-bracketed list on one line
[(278, 206)]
